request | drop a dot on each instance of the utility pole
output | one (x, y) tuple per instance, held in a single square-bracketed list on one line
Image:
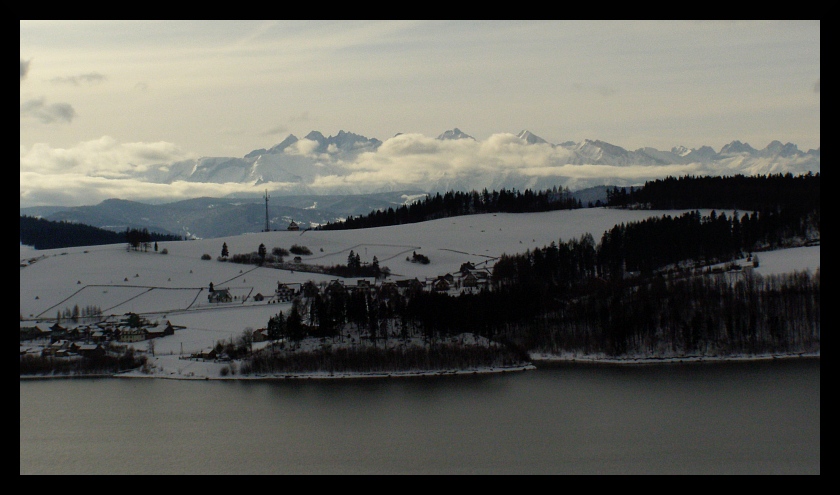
[(267, 226)]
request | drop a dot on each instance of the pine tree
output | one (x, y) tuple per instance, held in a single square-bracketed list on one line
[(262, 252), (276, 326), (225, 252), (375, 265), (294, 323)]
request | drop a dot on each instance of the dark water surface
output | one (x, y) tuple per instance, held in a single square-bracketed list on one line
[(727, 418)]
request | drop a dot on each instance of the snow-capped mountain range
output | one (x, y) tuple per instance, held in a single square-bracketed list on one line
[(301, 164), (318, 179)]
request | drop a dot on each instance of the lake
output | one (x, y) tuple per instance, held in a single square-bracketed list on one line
[(758, 417)]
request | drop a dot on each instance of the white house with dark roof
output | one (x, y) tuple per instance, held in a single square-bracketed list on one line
[(220, 295), (284, 293)]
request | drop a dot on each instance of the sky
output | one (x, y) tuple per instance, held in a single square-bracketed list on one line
[(110, 95), (118, 281)]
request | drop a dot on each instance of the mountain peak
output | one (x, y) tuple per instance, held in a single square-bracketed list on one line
[(778, 149), (344, 141), (680, 150), (531, 138), (315, 136), (737, 147), (290, 140), (455, 134), (277, 148)]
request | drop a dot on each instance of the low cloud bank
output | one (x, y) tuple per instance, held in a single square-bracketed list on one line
[(93, 171)]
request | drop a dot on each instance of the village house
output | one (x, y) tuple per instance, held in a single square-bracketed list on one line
[(160, 330), (85, 332), (57, 332), (260, 335), (105, 330), (90, 350), (293, 226), (74, 333), (441, 284), (284, 293), (410, 285), (363, 285), (207, 354), (33, 333), (59, 348), (219, 296), (476, 279), (129, 334)]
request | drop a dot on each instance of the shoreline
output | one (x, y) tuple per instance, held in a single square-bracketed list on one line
[(538, 360), (323, 375), (315, 375), (688, 359)]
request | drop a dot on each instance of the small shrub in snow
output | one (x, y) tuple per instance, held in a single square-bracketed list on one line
[(419, 258), (300, 249)]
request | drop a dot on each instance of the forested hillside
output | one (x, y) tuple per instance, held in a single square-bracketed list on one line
[(579, 297), (738, 192), (456, 203), (644, 288), (46, 234)]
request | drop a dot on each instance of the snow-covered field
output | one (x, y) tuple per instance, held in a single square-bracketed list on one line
[(174, 286)]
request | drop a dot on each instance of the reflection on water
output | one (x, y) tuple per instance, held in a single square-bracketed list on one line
[(761, 417)]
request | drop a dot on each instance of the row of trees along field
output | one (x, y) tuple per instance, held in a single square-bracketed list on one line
[(454, 203)]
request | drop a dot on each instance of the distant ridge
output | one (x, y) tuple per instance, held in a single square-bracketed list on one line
[(320, 178), (301, 164)]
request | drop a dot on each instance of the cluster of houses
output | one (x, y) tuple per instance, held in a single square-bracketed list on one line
[(91, 339), (468, 278)]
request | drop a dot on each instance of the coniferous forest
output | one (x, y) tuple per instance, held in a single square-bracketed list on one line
[(455, 203), (46, 234), (555, 300)]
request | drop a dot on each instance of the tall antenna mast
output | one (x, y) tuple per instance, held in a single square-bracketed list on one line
[(267, 226)]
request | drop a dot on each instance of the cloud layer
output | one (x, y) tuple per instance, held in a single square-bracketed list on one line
[(101, 169)]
